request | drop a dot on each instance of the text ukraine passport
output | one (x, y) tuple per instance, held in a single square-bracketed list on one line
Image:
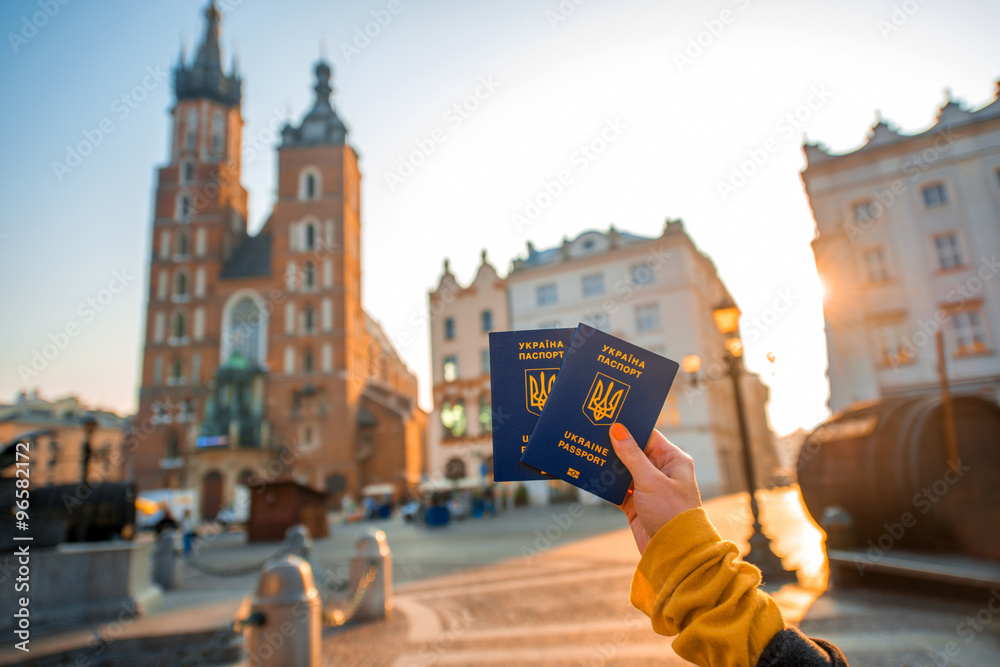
[(523, 365), (603, 380)]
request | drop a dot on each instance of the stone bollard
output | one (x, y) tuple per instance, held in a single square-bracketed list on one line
[(165, 561), (298, 542), (285, 625), (372, 549)]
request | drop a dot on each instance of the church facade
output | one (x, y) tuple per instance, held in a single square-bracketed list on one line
[(259, 361)]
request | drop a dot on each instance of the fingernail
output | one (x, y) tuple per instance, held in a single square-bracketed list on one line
[(618, 431)]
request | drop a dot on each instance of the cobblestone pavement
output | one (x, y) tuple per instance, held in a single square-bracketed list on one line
[(569, 606)]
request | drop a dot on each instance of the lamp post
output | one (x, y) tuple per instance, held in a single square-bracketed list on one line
[(89, 424), (727, 320)]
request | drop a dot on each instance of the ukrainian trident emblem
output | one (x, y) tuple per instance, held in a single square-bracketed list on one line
[(537, 383), (604, 400)]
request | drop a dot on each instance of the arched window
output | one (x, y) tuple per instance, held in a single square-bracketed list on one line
[(453, 419), (180, 284), (177, 370), (183, 208), (308, 319), (310, 240), (307, 361), (183, 247), (218, 132), (173, 446), (191, 128), (310, 184), (187, 171), (179, 328), (309, 275), (245, 325)]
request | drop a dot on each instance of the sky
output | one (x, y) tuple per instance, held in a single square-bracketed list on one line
[(693, 90)]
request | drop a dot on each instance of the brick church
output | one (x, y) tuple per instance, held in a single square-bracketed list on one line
[(259, 361)]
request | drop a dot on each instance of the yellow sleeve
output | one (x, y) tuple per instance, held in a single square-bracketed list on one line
[(690, 584)]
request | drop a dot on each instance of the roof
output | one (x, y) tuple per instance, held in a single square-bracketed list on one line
[(588, 242), (954, 114), (251, 259), (321, 126)]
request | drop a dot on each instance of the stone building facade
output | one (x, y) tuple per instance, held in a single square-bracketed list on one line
[(907, 239), (657, 292)]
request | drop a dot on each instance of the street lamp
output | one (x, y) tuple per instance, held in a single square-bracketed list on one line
[(727, 320), (89, 424)]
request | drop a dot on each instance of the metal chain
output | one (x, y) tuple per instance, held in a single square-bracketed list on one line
[(236, 571), (337, 617)]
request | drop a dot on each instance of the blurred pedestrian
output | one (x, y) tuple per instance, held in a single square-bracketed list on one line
[(187, 529), (690, 582), (167, 521)]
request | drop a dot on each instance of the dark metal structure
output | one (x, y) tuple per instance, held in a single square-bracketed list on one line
[(886, 464)]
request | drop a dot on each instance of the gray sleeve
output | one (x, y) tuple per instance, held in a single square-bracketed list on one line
[(792, 648)]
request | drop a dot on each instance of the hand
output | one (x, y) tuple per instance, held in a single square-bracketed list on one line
[(663, 483)]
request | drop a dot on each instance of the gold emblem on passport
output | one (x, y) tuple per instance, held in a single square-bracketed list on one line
[(537, 382), (604, 400), (574, 473)]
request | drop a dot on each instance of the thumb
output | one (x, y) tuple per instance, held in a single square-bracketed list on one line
[(628, 451)]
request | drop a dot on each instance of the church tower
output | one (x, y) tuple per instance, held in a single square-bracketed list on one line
[(199, 218), (318, 335)]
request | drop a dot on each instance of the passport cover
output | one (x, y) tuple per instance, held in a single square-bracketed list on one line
[(603, 380), (523, 365)]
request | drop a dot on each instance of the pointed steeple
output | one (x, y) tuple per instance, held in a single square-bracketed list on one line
[(205, 78), (209, 58), (322, 125)]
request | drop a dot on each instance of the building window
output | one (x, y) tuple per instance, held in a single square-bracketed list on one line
[(180, 285), (183, 208), (867, 211), (310, 236), (949, 251), (546, 295), (191, 129), (453, 419), (195, 370), (309, 184), (890, 346), (935, 195), (309, 276), (876, 265), (289, 360), (218, 132), (486, 319), (450, 368), (647, 318), (593, 285), (485, 414), (177, 372), (179, 328), (970, 332), (449, 328), (484, 361), (183, 247), (308, 319), (173, 446), (157, 370), (187, 172), (307, 360), (642, 274)]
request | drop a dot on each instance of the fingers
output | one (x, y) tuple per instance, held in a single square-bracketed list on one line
[(628, 451)]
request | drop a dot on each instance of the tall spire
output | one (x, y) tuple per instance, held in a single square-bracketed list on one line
[(209, 58), (205, 78)]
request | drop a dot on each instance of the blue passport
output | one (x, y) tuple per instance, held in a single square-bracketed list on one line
[(523, 367), (603, 380)]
